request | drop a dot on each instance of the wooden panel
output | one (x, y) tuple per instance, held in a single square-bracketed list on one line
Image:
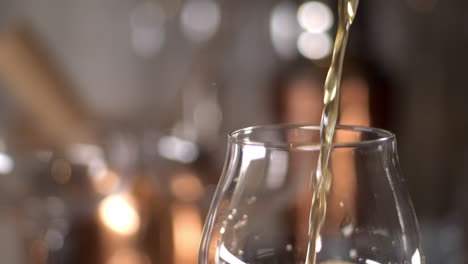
[(39, 89)]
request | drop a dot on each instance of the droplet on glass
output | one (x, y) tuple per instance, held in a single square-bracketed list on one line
[(347, 229), (318, 244), (240, 252), (353, 253), (289, 247), (241, 223), (381, 232), (341, 204)]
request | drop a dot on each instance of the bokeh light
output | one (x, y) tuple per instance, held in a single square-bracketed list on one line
[(147, 29), (200, 19), (187, 230), (186, 187), (315, 17), (118, 213), (314, 46), (175, 148), (105, 181), (54, 239), (284, 29), (61, 171), (6, 163)]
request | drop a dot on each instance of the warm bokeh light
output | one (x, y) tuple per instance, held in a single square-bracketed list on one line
[(61, 171), (187, 231), (355, 104), (314, 46), (186, 187), (315, 17), (105, 181), (302, 102), (38, 252), (118, 213), (87, 154)]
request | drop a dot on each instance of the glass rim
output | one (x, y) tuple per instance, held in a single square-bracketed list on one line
[(382, 137)]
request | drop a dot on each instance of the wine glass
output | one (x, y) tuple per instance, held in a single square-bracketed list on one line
[(260, 211)]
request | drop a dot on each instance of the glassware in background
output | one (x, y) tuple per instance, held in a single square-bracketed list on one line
[(83, 203), (260, 211), (116, 203), (49, 209), (187, 167)]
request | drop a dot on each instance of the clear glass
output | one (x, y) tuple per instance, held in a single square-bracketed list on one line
[(260, 211)]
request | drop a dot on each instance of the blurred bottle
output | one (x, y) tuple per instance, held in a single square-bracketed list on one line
[(53, 204), (298, 94), (182, 158)]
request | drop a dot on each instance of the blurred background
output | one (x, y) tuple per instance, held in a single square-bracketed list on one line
[(114, 114)]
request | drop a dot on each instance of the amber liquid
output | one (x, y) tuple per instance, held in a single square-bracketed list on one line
[(321, 181)]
